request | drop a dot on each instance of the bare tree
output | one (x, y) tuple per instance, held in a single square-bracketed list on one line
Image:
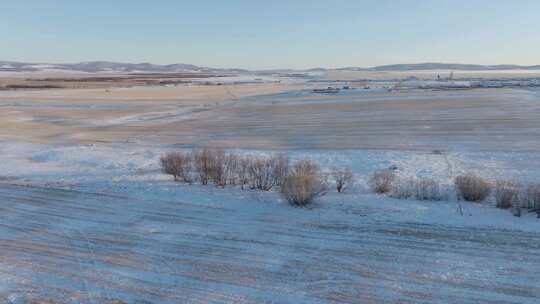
[(177, 164), (343, 178), (169, 165)]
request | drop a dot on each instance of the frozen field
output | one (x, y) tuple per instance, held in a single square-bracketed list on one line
[(176, 245), (97, 223), (86, 216), (171, 244), (493, 120)]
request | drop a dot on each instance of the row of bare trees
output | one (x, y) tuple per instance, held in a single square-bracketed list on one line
[(299, 182), (222, 168)]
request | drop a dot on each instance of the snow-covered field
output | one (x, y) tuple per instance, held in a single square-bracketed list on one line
[(94, 221), (97, 223)]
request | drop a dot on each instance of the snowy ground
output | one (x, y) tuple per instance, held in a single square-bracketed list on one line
[(97, 223), (272, 116)]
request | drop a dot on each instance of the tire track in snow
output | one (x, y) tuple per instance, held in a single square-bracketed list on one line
[(69, 245)]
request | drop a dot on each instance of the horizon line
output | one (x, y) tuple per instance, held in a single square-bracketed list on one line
[(270, 69)]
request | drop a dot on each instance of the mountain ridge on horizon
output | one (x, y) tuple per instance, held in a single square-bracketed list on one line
[(111, 66)]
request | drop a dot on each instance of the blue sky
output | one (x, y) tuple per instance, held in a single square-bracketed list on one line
[(272, 34)]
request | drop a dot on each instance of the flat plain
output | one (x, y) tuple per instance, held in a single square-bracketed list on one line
[(276, 115), (87, 216)]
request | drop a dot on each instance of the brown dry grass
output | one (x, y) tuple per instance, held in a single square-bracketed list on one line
[(472, 188), (303, 184)]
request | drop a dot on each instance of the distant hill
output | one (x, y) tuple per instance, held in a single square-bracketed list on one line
[(119, 67), (443, 66), (106, 66)]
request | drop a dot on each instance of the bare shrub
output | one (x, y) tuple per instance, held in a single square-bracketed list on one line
[(530, 197), (223, 168), (280, 164), (204, 164), (402, 188), (422, 189), (426, 189), (505, 194), (243, 170), (472, 188), (217, 168), (303, 183), (232, 162), (381, 181), (167, 164), (177, 164), (261, 173), (343, 178)]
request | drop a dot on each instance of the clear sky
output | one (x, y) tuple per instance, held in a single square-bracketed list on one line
[(272, 34)]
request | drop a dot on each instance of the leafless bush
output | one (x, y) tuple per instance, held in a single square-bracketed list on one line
[(535, 197), (530, 196), (168, 165), (422, 189), (303, 183), (280, 163), (261, 173), (402, 188), (505, 194), (243, 170), (343, 178), (426, 189), (232, 162), (224, 168), (217, 167), (472, 188), (179, 165), (381, 181), (204, 164)]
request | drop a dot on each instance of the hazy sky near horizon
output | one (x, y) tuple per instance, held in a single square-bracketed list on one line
[(272, 34)]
